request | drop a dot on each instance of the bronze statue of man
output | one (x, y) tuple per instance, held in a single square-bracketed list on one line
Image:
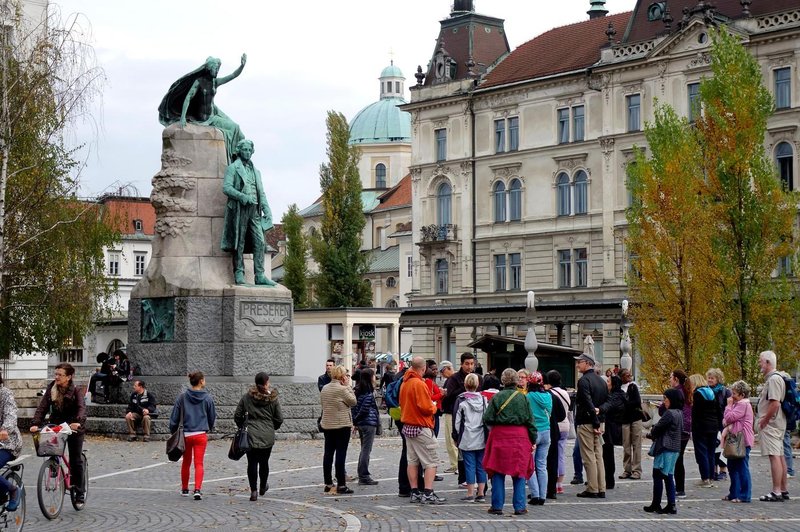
[(247, 214)]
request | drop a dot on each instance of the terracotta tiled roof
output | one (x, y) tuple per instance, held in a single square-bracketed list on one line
[(397, 196), (275, 235), (641, 29), (124, 210), (559, 50)]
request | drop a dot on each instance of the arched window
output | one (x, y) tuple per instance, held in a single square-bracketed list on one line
[(562, 194), (115, 344), (441, 276), (380, 176), (784, 157), (391, 282), (392, 303), (444, 196), (515, 200), (499, 202), (581, 193)]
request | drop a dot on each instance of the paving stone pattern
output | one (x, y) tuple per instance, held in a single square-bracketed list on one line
[(134, 487)]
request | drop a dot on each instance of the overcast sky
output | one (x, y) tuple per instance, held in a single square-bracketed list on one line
[(304, 58)]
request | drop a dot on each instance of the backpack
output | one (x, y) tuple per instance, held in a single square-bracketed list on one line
[(791, 401), (392, 398)]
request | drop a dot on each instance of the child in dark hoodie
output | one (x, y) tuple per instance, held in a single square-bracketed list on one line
[(199, 416)]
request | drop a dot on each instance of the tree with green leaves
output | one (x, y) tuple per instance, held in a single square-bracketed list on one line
[(337, 246), (52, 276), (294, 264), (709, 226)]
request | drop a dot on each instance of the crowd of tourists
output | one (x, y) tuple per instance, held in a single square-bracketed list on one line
[(513, 426), (518, 425)]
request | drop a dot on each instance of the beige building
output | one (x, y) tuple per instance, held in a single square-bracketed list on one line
[(519, 160)]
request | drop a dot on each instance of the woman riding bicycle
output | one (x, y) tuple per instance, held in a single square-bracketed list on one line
[(65, 404), (10, 442)]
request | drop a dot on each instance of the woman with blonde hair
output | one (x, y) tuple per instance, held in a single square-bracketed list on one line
[(337, 398)]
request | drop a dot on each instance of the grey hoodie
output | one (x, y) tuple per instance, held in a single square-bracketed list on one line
[(471, 407)]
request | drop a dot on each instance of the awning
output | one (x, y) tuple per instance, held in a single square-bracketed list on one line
[(493, 343)]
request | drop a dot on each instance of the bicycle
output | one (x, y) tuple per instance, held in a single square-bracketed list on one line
[(55, 478), (13, 472)]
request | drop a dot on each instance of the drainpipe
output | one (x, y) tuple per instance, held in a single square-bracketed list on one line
[(474, 199)]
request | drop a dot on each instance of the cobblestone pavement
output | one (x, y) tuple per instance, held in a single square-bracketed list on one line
[(134, 487)]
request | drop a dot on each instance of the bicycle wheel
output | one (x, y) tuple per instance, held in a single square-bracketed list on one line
[(50, 488), (73, 495), (16, 519)]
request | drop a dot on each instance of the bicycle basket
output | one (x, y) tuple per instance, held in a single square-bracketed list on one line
[(50, 443)]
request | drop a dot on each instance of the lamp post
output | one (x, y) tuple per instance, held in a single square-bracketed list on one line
[(625, 360), (531, 343)]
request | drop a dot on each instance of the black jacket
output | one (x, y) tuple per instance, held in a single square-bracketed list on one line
[(455, 387), (592, 393), (323, 380), (706, 412), (147, 400), (71, 410), (633, 405)]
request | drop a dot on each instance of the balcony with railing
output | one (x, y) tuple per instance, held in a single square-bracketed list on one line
[(430, 234)]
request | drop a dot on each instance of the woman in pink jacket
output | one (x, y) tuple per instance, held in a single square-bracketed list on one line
[(738, 417)]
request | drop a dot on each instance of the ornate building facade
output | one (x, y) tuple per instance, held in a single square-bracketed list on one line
[(519, 159)]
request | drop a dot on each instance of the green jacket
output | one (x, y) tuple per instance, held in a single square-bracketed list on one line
[(263, 416), (516, 412)]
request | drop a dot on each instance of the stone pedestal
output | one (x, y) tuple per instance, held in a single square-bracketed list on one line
[(186, 313)]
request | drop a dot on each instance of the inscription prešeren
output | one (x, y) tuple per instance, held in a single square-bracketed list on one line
[(263, 313)]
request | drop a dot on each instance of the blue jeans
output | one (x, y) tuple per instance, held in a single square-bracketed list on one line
[(5, 457), (739, 473), (704, 446), (499, 492), (538, 481), (473, 466), (658, 487), (577, 461), (787, 452)]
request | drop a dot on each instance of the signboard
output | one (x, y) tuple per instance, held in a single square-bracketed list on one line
[(366, 332)]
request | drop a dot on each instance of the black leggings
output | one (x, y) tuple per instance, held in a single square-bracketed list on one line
[(336, 442), (680, 470), (258, 466)]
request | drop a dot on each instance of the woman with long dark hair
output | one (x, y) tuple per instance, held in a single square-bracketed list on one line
[(366, 420), (259, 408), (679, 380)]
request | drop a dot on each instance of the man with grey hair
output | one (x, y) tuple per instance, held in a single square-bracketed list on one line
[(592, 393), (772, 425)]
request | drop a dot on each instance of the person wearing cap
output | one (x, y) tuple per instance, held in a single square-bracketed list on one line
[(592, 393)]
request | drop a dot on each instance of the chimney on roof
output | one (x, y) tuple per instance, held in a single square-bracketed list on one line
[(462, 6), (598, 9)]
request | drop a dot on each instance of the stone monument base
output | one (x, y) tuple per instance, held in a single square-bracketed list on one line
[(237, 331)]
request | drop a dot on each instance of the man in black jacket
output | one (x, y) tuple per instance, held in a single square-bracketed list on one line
[(141, 407), (592, 392), (453, 387), (325, 378)]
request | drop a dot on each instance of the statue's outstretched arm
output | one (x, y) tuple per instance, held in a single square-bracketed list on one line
[(187, 100), (234, 74)]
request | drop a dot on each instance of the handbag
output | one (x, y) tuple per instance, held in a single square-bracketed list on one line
[(734, 446), (176, 444), (241, 441)]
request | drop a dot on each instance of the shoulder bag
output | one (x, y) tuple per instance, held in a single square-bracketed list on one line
[(241, 441), (176, 444), (734, 446)]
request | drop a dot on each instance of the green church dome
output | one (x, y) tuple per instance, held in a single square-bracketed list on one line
[(380, 123), (391, 71)]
